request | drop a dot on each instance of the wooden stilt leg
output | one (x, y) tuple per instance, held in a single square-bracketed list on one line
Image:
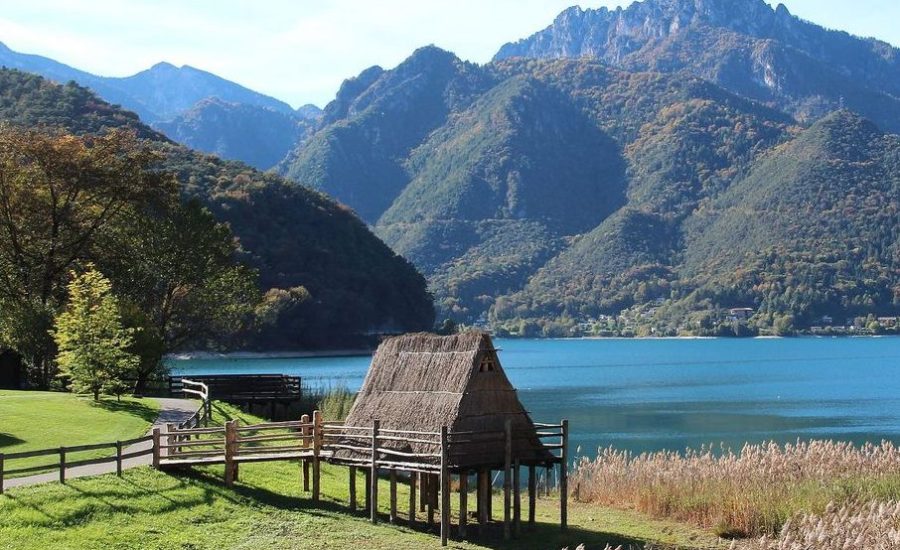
[(412, 497), (532, 493), (445, 488), (463, 502), (517, 500), (367, 474), (507, 482), (352, 474), (423, 491), (393, 491), (429, 499)]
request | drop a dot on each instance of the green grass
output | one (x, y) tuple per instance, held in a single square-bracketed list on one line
[(268, 509), (32, 420)]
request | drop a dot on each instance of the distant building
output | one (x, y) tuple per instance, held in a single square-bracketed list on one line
[(740, 313), (888, 322)]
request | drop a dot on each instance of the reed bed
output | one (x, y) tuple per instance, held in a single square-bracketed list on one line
[(750, 493), (872, 526)]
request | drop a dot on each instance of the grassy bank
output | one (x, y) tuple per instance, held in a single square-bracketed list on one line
[(31, 420), (268, 509)]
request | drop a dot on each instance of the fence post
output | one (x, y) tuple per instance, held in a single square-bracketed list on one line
[(119, 458), (305, 432), (229, 453), (1, 473), (564, 478), (373, 477), (318, 437), (62, 464), (156, 449), (507, 458), (445, 488)]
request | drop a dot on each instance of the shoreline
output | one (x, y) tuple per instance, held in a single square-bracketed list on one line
[(241, 355), (208, 355)]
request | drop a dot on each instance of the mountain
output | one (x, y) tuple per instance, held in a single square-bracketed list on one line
[(193, 107), (292, 235), (156, 94), (259, 136), (746, 47), (378, 118)]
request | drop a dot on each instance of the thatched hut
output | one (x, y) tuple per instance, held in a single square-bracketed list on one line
[(422, 385), (421, 382)]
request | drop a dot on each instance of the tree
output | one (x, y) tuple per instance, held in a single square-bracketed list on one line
[(58, 192), (92, 341), (175, 268)]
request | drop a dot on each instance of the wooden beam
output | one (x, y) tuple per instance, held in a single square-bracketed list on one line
[(532, 493), (445, 488), (373, 506), (412, 497), (463, 502)]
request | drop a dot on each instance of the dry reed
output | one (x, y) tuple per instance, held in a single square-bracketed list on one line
[(750, 493), (873, 526)]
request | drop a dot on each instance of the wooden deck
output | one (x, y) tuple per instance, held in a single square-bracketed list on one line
[(424, 457)]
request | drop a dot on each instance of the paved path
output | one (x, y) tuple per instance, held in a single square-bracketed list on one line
[(170, 410)]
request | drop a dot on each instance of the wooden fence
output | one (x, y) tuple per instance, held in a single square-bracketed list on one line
[(64, 455), (372, 450)]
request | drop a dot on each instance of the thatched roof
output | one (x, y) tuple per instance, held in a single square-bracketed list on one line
[(421, 382)]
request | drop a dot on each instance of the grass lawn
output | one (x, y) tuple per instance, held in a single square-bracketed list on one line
[(32, 420), (267, 509)]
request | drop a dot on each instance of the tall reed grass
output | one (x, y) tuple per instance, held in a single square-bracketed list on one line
[(750, 493), (872, 526)]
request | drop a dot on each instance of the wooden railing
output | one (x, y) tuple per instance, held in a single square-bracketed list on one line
[(373, 450), (204, 413), (64, 460)]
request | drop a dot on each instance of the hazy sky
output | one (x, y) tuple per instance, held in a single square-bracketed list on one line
[(301, 50)]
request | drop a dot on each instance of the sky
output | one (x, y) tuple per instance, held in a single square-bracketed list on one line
[(301, 50)]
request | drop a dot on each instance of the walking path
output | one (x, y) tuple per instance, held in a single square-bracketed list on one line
[(170, 410)]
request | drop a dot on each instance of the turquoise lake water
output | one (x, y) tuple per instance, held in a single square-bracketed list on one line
[(648, 395)]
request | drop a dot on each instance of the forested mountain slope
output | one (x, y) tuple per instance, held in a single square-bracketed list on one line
[(294, 237)]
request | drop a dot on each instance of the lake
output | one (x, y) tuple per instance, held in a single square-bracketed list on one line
[(646, 394)]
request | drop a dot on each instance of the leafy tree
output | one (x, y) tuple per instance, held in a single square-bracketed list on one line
[(58, 192), (175, 266), (92, 340)]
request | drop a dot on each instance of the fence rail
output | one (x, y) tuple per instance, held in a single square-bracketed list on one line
[(63, 454)]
